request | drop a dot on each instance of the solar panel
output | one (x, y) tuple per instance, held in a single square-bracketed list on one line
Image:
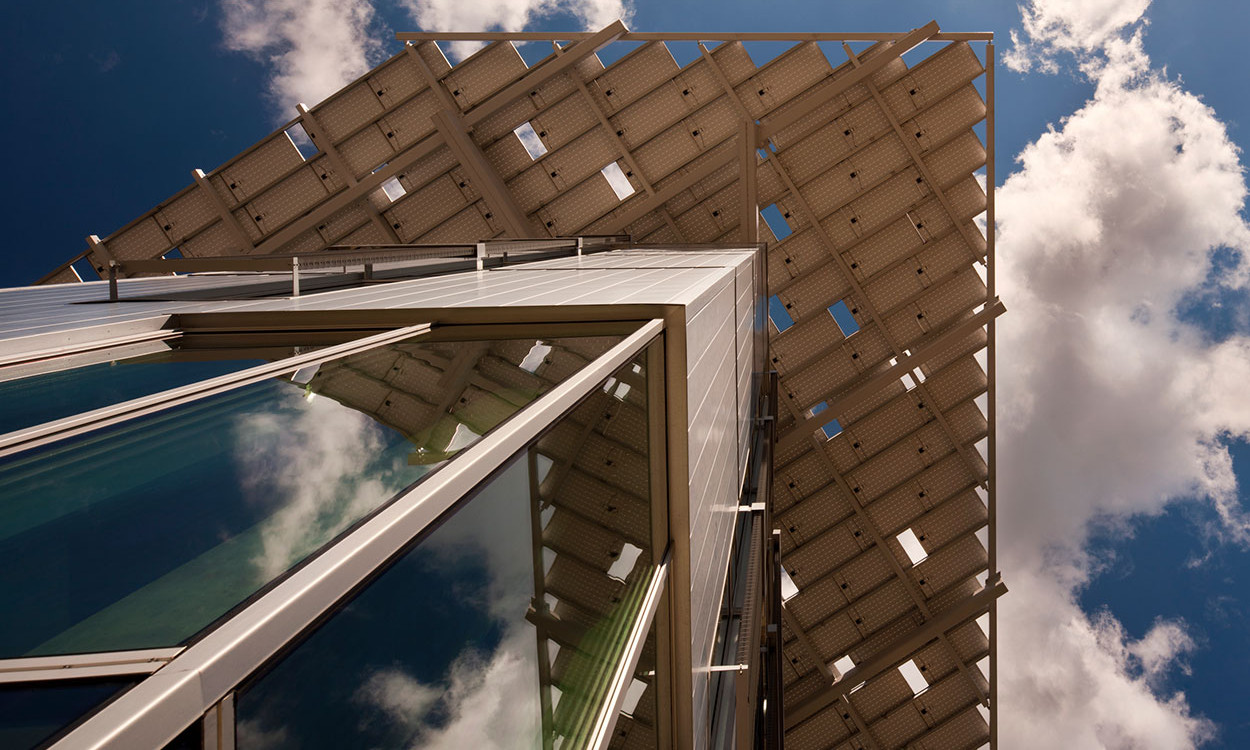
[(870, 163)]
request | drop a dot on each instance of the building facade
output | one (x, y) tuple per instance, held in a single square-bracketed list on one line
[(300, 470)]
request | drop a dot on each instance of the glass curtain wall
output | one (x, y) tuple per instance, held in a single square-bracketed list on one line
[(505, 624), (144, 533)]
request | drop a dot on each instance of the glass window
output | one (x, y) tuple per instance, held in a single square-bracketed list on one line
[(142, 534), (191, 738), (31, 713), (504, 623), (29, 401)]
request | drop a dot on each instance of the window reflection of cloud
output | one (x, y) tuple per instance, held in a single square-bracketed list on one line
[(316, 463), (489, 702), (494, 528), (250, 734)]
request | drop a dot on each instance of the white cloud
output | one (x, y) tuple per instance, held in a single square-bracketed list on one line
[(509, 15), (404, 699), (1070, 681), (490, 702), (317, 464), (1110, 407), (1053, 27), (312, 47)]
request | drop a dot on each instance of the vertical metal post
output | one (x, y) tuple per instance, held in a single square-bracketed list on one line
[(480, 254), (774, 717), (112, 280), (539, 602), (294, 277), (657, 448), (368, 272), (749, 213), (991, 406), (580, 242), (218, 725)]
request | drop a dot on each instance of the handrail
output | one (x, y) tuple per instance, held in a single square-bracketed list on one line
[(363, 255)]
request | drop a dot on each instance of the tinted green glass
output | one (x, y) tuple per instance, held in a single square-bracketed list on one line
[(503, 624), (33, 712), (29, 401), (142, 534)]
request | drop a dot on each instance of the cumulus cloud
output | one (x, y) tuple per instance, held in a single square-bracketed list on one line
[(509, 15), (1054, 27), (1110, 406), (402, 698), (488, 699), (320, 466), (1073, 681), (312, 47)]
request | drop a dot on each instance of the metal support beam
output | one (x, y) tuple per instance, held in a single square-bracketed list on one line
[(484, 176), (805, 643), (313, 129), (991, 371), (98, 252), (431, 80), (893, 654), (914, 151), (905, 364), (864, 732), (770, 126), (724, 82), (227, 218), (539, 602), (219, 726), (80, 666), (584, 48), (748, 160)]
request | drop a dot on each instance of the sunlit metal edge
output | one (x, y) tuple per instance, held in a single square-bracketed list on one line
[(692, 36), (611, 708), (156, 710), (26, 357), (47, 432), (78, 666)]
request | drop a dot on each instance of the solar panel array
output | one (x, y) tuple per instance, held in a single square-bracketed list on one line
[(877, 278)]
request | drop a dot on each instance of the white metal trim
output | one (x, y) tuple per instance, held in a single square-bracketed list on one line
[(611, 709), (32, 437), (78, 666), (19, 358), (156, 710)]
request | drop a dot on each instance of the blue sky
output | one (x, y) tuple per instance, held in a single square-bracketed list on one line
[(1123, 356)]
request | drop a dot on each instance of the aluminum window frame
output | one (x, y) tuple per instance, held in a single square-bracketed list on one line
[(83, 422), (177, 695)]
